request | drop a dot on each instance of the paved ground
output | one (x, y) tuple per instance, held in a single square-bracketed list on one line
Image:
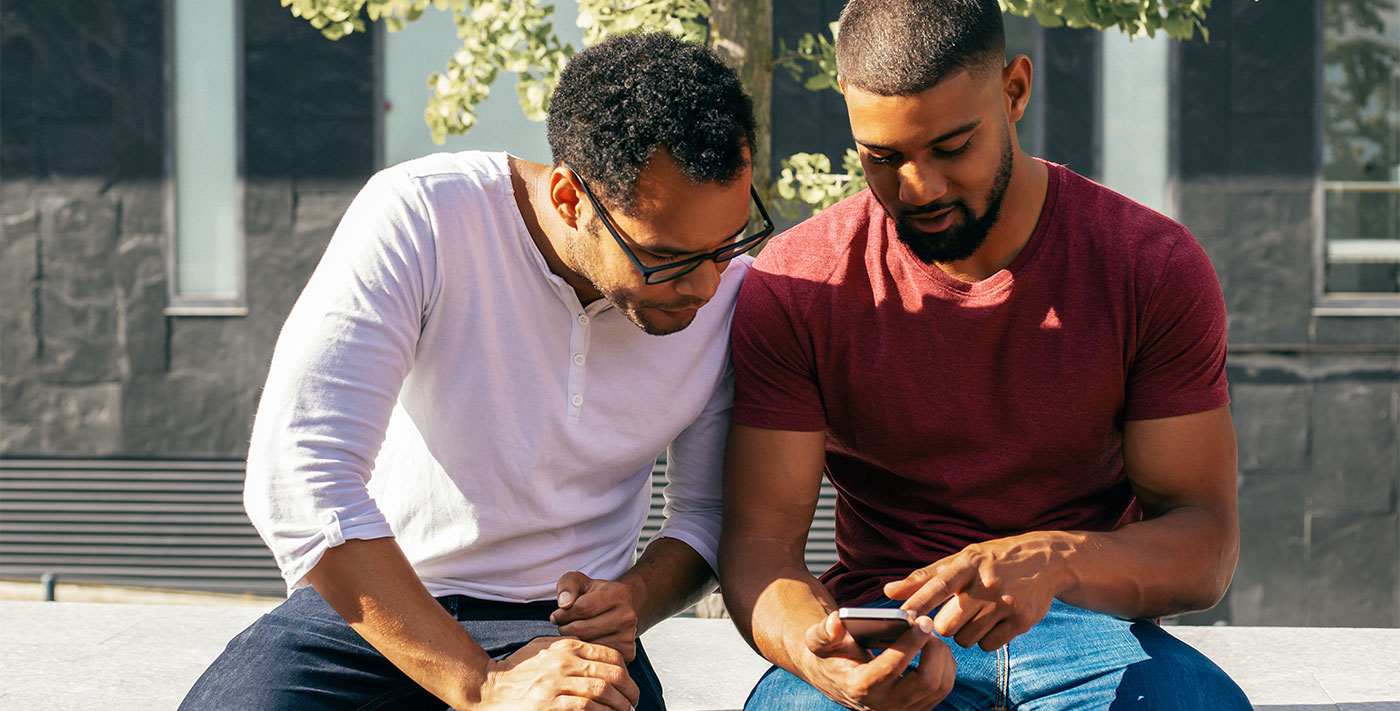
[(92, 592), (129, 657)]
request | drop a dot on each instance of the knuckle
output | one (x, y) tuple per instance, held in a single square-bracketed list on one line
[(595, 688)]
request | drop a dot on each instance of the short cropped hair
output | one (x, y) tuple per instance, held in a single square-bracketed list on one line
[(620, 101), (903, 47)]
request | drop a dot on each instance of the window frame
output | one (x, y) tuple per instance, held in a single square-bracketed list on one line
[(1327, 303)]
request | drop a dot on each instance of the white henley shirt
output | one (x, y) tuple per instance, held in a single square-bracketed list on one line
[(435, 382)]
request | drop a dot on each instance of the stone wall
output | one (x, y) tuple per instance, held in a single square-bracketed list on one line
[(89, 362), (91, 365), (1316, 398)]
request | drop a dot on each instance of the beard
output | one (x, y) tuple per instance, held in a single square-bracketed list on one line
[(964, 236), (587, 263)]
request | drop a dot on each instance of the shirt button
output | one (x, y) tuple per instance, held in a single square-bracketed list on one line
[(577, 400), (583, 319), (579, 359)]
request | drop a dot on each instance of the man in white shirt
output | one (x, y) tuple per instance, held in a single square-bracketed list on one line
[(451, 458)]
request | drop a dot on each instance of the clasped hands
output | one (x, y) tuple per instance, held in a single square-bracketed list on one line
[(586, 666), (990, 592)]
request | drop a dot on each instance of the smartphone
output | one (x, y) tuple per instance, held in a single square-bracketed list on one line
[(876, 627)]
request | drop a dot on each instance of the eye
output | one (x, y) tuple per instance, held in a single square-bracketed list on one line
[(662, 258), (882, 160), (949, 153)]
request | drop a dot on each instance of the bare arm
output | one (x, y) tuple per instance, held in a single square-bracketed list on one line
[(371, 584), (772, 480), (668, 577), (1182, 556), (1179, 558)]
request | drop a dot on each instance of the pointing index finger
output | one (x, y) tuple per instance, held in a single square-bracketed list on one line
[(944, 583)]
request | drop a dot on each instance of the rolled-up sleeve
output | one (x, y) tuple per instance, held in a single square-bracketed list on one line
[(694, 461), (335, 376)]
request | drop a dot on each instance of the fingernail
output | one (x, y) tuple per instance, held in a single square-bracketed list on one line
[(565, 598), (925, 625)]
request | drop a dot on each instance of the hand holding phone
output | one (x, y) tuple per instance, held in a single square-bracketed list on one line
[(876, 627)]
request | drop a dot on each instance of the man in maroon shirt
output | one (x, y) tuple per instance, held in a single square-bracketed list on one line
[(1014, 378)]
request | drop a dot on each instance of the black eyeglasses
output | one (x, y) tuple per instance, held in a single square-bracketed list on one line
[(676, 270)]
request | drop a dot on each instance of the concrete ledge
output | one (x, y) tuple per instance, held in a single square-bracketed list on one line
[(88, 655)]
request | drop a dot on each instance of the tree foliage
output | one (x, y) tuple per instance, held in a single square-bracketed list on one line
[(518, 36)]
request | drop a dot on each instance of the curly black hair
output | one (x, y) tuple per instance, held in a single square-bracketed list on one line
[(620, 101), (902, 47)]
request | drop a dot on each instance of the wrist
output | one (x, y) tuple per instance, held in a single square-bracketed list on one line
[(474, 689), (1061, 550)]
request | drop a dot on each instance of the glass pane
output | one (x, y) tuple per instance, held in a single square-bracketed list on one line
[(1136, 89), (1022, 37), (207, 250), (1358, 215), (1361, 80), (1361, 146)]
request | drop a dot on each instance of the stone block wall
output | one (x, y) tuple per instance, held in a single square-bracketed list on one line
[(90, 364), (1316, 398)]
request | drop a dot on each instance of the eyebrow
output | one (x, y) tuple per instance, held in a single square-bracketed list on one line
[(970, 125), (665, 251)]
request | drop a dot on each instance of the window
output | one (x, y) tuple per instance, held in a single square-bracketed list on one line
[(1135, 115), (1361, 153), (207, 249)]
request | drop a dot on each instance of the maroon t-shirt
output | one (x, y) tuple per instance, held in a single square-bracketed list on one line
[(960, 412)]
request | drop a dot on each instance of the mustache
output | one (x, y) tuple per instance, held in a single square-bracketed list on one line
[(935, 206)]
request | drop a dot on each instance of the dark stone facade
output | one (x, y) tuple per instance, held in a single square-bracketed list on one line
[(91, 363), (1316, 397)]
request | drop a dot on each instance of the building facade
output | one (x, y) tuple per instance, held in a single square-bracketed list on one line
[(159, 223)]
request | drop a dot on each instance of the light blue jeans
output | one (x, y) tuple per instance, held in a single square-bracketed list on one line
[(1074, 659)]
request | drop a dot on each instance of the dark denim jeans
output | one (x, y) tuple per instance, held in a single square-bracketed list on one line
[(1074, 660), (304, 656)]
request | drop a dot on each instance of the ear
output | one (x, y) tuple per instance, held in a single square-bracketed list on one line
[(1016, 87), (564, 195)]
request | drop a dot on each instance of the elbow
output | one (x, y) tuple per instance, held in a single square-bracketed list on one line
[(1216, 570)]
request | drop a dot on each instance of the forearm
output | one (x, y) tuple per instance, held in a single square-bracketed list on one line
[(668, 578), (1177, 562), (374, 588), (772, 597)]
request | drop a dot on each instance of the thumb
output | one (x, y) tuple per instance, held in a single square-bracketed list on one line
[(570, 586), (824, 633)]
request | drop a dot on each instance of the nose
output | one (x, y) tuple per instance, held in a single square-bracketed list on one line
[(921, 182), (703, 281)]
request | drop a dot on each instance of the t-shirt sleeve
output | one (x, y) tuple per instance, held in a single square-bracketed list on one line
[(1179, 364), (775, 378)]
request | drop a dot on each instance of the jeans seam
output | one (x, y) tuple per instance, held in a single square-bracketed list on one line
[(1003, 678)]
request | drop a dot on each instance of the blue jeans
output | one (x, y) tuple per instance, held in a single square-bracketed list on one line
[(304, 656), (1073, 659)]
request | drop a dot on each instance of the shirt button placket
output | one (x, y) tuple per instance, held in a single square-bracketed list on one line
[(578, 346)]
